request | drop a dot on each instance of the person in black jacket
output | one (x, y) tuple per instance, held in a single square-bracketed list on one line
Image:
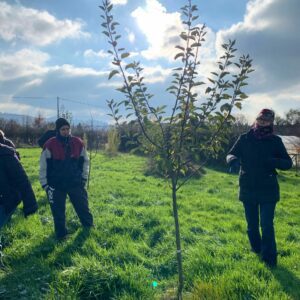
[(5, 141), (14, 186), (46, 136), (260, 153)]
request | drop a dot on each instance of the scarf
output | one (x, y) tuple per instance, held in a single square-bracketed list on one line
[(262, 132), (65, 140)]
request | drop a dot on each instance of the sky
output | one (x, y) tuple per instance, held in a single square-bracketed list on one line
[(56, 48)]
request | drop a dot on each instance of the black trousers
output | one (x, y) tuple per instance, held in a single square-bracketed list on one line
[(79, 199), (264, 243)]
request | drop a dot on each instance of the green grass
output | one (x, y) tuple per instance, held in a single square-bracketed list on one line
[(133, 244)]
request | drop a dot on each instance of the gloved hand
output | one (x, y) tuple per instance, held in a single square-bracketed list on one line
[(234, 163), (83, 181), (50, 192), (234, 166)]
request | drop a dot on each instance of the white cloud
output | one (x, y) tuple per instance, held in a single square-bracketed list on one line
[(160, 28), (109, 84), (131, 37), (24, 109), (156, 74), (151, 75), (280, 101), (119, 2), (18, 23), (162, 31), (89, 53), (34, 82), (25, 62), (72, 71), (133, 54), (30, 65), (270, 34)]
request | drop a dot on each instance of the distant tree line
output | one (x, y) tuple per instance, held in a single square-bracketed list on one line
[(27, 133), (129, 134), (290, 124)]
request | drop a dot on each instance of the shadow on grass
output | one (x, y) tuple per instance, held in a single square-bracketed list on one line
[(294, 180), (288, 281), (37, 269), (222, 168)]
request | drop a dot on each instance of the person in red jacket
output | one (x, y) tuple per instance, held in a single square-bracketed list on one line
[(14, 186), (64, 167)]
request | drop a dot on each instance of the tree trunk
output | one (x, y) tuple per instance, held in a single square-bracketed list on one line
[(178, 243)]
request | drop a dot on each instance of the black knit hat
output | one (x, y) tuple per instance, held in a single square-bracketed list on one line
[(60, 122), (266, 115)]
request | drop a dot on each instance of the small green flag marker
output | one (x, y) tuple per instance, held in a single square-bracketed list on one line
[(154, 284)]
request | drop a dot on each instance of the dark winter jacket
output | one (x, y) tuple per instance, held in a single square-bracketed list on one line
[(259, 160), (45, 137), (7, 142), (64, 164), (14, 183)]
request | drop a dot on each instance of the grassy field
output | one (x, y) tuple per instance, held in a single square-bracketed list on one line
[(132, 244)]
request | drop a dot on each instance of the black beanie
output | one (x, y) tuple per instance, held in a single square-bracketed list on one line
[(60, 122)]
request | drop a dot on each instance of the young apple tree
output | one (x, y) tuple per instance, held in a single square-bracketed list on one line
[(171, 135)]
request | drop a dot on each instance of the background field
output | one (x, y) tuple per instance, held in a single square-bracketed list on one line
[(133, 245)]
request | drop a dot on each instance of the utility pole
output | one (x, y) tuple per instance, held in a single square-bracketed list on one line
[(57, 106)]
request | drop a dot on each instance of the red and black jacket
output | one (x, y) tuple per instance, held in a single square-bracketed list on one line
[(64, 163)]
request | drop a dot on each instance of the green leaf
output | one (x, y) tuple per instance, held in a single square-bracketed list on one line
[(130, 66), (178, 55), (243, 96), (180, 47), (226, 96), (196, 45), (183, 36), (225, 107), (198, 83), (124, 55), (208, 90), (109, 8), (224, 74), (112, 73), (238, 105)]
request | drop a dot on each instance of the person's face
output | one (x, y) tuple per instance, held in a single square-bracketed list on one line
[(263, 123), (64, 130)]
